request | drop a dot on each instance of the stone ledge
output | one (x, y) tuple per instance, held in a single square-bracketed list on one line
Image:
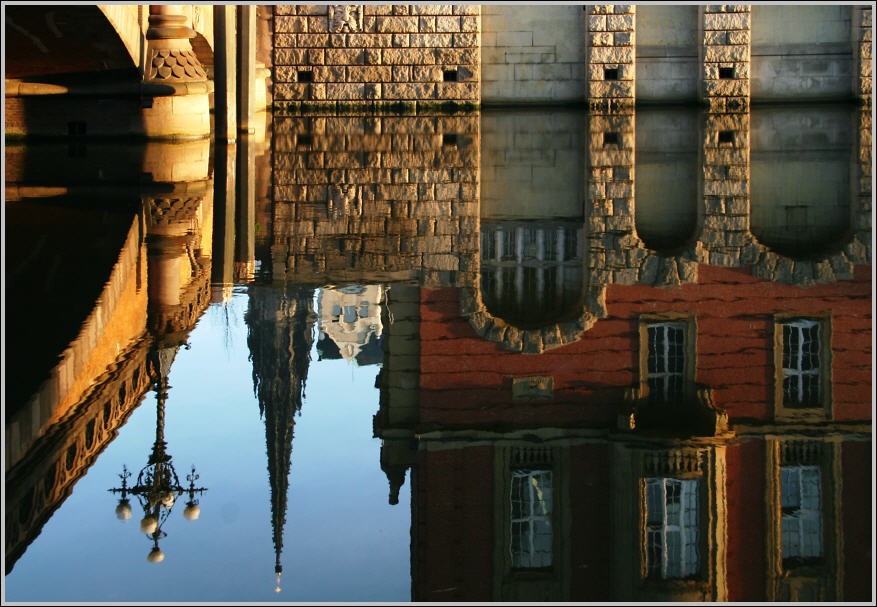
[(18, 88)]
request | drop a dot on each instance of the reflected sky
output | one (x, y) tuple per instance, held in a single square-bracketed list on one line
[(342, 540)]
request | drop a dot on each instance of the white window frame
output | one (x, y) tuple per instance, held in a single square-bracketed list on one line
[(797, 371), (531, 514), (794, 523), (664, 357), (673, 566)]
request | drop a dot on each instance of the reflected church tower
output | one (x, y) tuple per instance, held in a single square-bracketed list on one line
[(280, 335)]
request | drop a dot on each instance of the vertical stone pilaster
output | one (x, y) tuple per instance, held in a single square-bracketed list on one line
[(862, 50), (725, 232), (609, 211), (611, 44), (859, 250), (225, 74), (726, 47)]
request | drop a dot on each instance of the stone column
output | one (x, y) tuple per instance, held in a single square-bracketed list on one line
[(222, 277), (862, 36), (225, 73), (245, 232), (611, 52), (246, 68), (179, 107), (726, 48), (725, 232)]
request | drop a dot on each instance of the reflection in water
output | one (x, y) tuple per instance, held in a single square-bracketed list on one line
[(659, 394), (158, 486)]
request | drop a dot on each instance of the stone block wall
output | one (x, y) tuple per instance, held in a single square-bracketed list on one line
[(862, 82), (427, 55), (379, 199), (802, 52), (667, 53), (726, 56), (532, 53), (611, 40), (725, 232), (328, 55)]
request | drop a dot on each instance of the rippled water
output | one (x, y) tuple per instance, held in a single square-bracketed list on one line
[(502, 356)]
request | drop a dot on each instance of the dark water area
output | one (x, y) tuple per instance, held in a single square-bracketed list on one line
[(515, 355)]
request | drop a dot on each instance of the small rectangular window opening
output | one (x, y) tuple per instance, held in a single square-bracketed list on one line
[(726, 136), (610, 73), (304, 140), (76, 129), (305, 76), (449, 75), (610, 138), (726, 73), (449, 139)]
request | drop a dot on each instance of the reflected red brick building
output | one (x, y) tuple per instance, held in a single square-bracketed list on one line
[(762, 500)]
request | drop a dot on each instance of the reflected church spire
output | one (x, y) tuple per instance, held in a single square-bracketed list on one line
[(280, 323)]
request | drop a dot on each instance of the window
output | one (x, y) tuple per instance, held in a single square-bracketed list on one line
[(671, 528), (531, 530), (666, 360), (801, 531), (801, 363)]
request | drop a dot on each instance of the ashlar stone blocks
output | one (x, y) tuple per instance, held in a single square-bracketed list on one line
[(611, 40), (339, 55), (726, 57)]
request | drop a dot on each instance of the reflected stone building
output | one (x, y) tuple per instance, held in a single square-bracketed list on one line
[(350, 323), (134, 284), (588, 396)]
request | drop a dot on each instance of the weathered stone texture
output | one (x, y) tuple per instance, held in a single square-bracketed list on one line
[(387, 197), (611, 57), (390, 40), (726, 56), (863, 56)]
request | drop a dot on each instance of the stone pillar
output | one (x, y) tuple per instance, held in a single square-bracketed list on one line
[(225, 73), (610, 201), (246, 68), (862, 50), (726, 48), (245, 232), (222, 277), (859, 250), (725, 231), (611, 56), (179, 107)]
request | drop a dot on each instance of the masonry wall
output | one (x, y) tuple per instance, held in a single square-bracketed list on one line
[(612, 55), (378, 54), (532, 53), (375, 198), (801, 182), (530, 156), (667, 163), (667, 45), (801, 52)]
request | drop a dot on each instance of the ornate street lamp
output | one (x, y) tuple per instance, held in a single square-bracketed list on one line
[(158, 485)]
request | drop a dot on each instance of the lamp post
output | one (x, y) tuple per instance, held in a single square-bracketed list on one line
[(158, 485)]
